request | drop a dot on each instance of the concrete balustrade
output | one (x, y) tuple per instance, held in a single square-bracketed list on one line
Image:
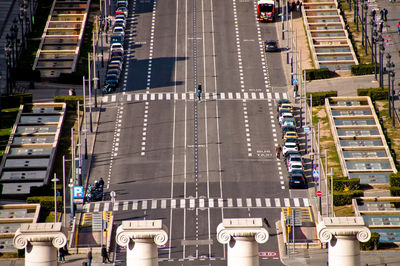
[(141, 239), (41, 242), (242, 236), (342, 234)]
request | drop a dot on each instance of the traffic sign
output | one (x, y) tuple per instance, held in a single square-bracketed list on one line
[(319, 193), (78, 192), (315, 166), (295, 81), (306, 130), (315, 173)]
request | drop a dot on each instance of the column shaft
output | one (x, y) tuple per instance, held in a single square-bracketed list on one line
[(142, 252), (243, 251), (344, 251), (40, 254)]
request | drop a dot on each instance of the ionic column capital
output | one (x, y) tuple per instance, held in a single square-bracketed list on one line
[(242, 227), (142, 229), (40, 232), (343, 226)]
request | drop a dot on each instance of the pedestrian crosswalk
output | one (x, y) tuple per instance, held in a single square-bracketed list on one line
[(165, 96), (192, 203)]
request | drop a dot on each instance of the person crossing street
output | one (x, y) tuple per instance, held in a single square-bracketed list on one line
[(199, 90)]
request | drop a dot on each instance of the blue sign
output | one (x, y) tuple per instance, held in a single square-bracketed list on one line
[(315, 173), (306, 130), (315, 166), (78, 192), (295, 81), (315, 179)]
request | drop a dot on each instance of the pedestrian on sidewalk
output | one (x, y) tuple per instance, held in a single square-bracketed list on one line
[(380, 27), (90, 257), (61, 255), (295, 90), (278, 151), (381, 13), (199, 90), (104, 254), (385, 13)]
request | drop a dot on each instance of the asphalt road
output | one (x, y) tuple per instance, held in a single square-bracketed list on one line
[(189, 163)]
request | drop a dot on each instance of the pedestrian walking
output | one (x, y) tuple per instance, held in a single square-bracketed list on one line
[(199, 90), (385, 13), (381, 13), (295, 90), (373, 14), (90, 257), (278, 151), (61, 255), (380, 27), (104, 254)]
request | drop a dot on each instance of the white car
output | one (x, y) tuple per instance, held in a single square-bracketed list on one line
[(294, 158), (119, 30), (117, 46), (289, 146), (295, 166), (285, 116), (120, 22)]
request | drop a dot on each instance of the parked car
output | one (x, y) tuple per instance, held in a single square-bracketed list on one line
[(117, 38), (297, 180), (119, 30), (284, 114), (280, 102), (116, 62), (295, 166), (120, 23), (293, 140), (122, 3), (293, 158), (120, 16), (122, 11), (112, 80), (117, 53), (289, 146), (271, 46), (290, 134), (113, 71), (117, 46), (288, 122), (286, 106), (287, 129)]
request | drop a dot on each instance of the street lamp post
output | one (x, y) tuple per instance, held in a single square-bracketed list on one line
[(365, 28), (381, 53), (55, 180), (389, 67)]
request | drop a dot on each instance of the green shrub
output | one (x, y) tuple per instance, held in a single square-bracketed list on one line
[(346, 184), (394, 179), (318, 98), (45, 190), (46, 202), (372, 243), (322, 73), (15, 100), (363, 69), (394, 191), (374, 93), (69, 100), (341, 198)]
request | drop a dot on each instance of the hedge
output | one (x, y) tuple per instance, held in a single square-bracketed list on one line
[(395, 191), (27, 74), (46, 202), (15, 100), (372, 243), (322, 73), (363, 69), (318, 98), (348, 184), (394, 179), (341, 198), (45, 190), (374, 93), (69, 100)]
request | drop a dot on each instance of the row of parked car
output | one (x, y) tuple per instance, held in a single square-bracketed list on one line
[(290, 148), (115, 64)]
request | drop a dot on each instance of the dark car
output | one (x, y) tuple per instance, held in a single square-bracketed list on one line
[(294, 140), (280, 102), (271, 46), (297, 180), (287, 129), (112, 80), (113, 71)]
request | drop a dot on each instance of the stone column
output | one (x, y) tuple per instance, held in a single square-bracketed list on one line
[(141, 239), (342, 234), (41, 242), (242, 236)]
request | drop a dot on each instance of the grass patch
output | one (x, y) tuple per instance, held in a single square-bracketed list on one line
[(343, 211), (8, 117)]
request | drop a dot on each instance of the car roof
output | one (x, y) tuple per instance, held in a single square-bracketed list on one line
[(290, 143)]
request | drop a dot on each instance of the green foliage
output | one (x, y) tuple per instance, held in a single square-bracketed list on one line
[(71, 78), (318, 98), (15, 100), (395, 191), (46, 202), (363, 69), (341, 198), (45, 190), (346, 184), (322, 73), (374, 93), (69, 100), (372, 243), (394, 179)]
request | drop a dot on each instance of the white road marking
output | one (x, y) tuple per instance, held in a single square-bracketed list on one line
[(287, 202), (144, 205), (163, 204), (125, 205), (154, 204), (230, 202), (296, 202), (248, 202), (277, 202), (211, 203), (258, 202), (115, 207), (134, 205)]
